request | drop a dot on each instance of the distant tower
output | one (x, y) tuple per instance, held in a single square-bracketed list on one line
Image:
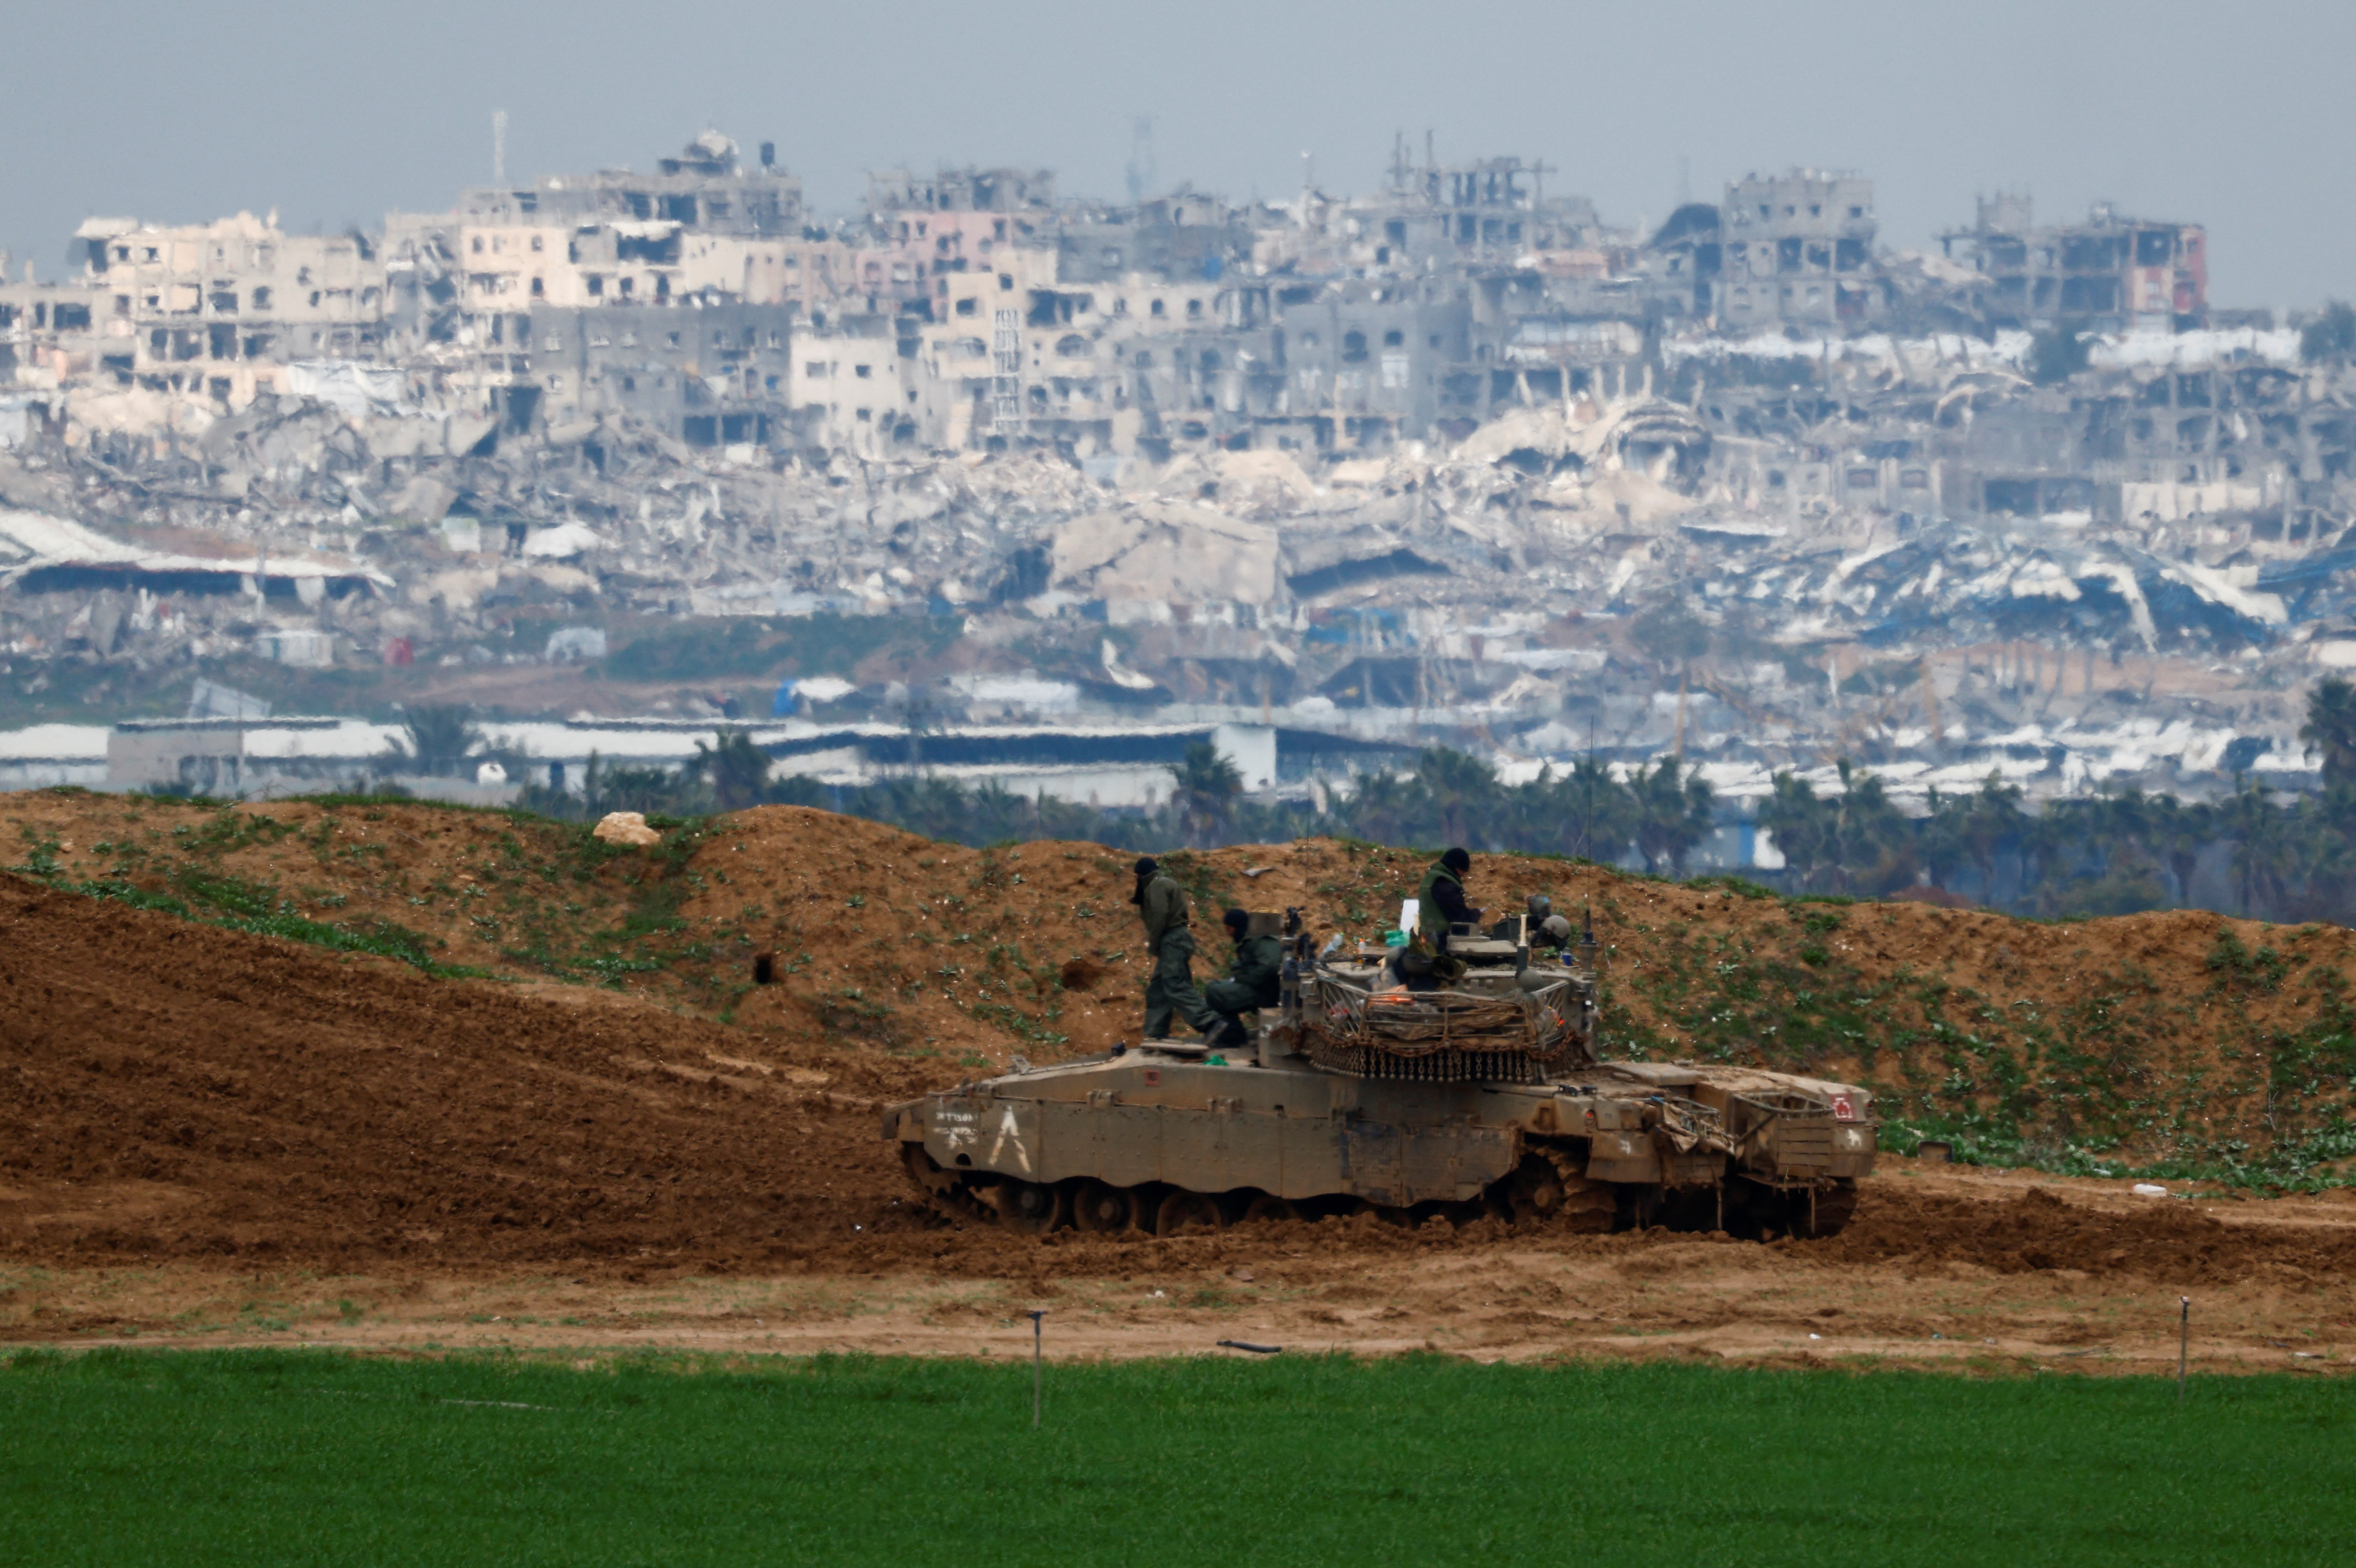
[(1143, 176), (499, 146)]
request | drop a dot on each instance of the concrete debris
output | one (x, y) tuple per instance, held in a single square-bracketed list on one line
[(1159, 552), (1455, 460)]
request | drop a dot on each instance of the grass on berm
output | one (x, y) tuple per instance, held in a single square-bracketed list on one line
[(294, 1457)]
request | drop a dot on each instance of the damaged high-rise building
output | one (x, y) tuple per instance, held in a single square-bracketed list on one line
[(1456, 457)]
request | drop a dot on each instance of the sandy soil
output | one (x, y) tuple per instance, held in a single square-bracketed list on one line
[(1970, 1289), (210, 1138)]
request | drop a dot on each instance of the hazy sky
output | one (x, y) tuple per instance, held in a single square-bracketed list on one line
[(2235, 115)]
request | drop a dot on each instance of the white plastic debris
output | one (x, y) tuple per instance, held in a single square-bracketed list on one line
[(2145, 1190)]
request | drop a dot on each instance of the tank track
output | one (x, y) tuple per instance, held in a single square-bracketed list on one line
[(1545, 1192)]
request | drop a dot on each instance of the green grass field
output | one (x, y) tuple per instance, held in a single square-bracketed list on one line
[(292, 1457)]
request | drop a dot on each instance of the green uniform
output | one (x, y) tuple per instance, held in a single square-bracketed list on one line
[(1429, 918), (1170, 986), (1256, 979)]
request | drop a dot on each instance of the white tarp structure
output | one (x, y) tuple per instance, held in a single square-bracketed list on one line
[(564, 542), (349, 386), (31, 541)]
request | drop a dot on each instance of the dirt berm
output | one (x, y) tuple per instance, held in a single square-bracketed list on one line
[(170, 1090), (176, 1091), (2183, 1041)]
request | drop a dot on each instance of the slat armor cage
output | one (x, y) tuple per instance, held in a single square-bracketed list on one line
[(1440, 1037)]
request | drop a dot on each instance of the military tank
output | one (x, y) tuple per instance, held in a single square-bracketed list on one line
[(1462, 1083)]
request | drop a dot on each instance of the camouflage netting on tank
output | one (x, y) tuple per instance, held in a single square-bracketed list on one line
[(1445, 1035)]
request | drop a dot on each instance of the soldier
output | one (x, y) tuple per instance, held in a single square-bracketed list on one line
[(1440, 903), (1256, 979), (1170, 985), (1533, 925)]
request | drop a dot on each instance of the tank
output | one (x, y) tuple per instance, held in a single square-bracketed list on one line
[(1462, 1084)]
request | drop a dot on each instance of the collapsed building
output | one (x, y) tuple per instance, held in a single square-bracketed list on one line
[(1452, 461)]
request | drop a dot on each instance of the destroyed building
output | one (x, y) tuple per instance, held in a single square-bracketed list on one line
[(2111, 273), (1452, 461)]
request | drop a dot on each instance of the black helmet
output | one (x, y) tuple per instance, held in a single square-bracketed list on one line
[(1457, 861), (1236, 920)]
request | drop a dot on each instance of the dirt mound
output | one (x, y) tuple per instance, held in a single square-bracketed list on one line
[(176, 1091), (2036, 1230), (2183, 1041)]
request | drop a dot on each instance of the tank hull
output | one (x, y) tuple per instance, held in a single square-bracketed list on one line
[(1595, 1146)]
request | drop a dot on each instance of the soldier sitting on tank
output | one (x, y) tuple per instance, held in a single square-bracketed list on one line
[(1255, 979), (1440, 903), (1530, 925), (1170, 943)]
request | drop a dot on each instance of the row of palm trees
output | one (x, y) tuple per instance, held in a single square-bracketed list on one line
[(2103, 854), (1656, 816)]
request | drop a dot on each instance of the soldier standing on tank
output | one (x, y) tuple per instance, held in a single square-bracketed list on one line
[(1441, 902), (1255, 979), (1170, 986)]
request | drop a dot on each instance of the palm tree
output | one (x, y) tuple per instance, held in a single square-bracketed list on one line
[(1205, 787), (1875, 840), (1672, 815), (2178, 833), (1805, 828), (1857, 838), (2262, 848), (1599, 815), (1939, 837), (2330, 727), (1990, 818), (1460, 786), (439, 740), (738, 770), (1380, 808)]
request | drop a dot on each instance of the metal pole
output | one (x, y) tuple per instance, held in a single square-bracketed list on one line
[(1036, 1373), (2184, 1344)]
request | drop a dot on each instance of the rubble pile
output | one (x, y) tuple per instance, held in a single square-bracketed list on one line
[(1452, 461)]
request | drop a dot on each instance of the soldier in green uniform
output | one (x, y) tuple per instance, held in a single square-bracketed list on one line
[(1441, 902), (1255, 979), (1170, 985)]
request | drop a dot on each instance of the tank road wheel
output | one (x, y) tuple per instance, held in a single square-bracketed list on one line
[(944, 1189), (1267, 1206), (1540, 1192), (1028, 1209), (1104, 1210), (1589, 1208), (1183, 1207), (1533, 1193)]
